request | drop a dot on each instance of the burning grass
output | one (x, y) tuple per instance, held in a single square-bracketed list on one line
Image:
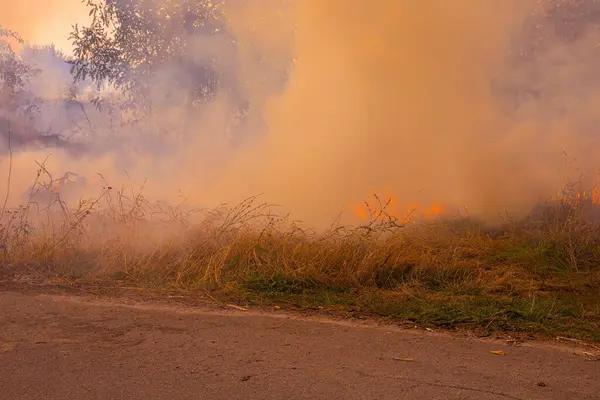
[(540, 274)]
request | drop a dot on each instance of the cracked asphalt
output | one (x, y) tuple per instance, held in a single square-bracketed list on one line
[(76, 347)]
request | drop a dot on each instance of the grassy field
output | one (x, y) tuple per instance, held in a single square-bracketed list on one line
[(536, 275)]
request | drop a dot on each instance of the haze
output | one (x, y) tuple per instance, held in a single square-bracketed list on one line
[(425, 102)]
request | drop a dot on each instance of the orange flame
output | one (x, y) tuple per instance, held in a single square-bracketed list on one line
[(361, 212), (435, 210), (404, 211), (596, 196)]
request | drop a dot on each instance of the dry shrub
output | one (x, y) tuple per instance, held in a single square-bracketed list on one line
[(568, 229)]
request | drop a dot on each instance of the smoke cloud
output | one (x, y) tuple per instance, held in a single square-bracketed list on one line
[(465, 105)]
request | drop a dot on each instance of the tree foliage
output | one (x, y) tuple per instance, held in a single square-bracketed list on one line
[(14, 72), (129, 41)]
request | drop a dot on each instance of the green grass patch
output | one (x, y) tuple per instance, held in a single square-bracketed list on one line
[(549, 315)]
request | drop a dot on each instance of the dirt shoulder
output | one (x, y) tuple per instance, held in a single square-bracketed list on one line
[(73, 346)]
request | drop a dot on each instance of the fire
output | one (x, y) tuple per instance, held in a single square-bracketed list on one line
[(404, 211), (589, 196), (434, 210), (596, 196), (361, 212)]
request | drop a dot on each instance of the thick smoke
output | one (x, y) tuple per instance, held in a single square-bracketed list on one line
[(466, 106), (406, 98)]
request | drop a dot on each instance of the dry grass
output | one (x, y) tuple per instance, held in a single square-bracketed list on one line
[(539, 274)]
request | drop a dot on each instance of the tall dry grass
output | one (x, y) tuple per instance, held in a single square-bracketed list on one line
[(122, 231)]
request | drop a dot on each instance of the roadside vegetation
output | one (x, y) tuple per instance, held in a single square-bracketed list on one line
[(538, 275)]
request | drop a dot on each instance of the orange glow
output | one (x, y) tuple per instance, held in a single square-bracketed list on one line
[(434, 210), (403, 211), (596, 196), (52, 25), (361, 212)]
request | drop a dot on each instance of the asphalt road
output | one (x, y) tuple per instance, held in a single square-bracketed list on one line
[(71, 347)]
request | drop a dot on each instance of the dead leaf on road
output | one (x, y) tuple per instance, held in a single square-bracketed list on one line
[(498, 352), (406, 359), (591, 356), (7, 346), (237, 307)]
